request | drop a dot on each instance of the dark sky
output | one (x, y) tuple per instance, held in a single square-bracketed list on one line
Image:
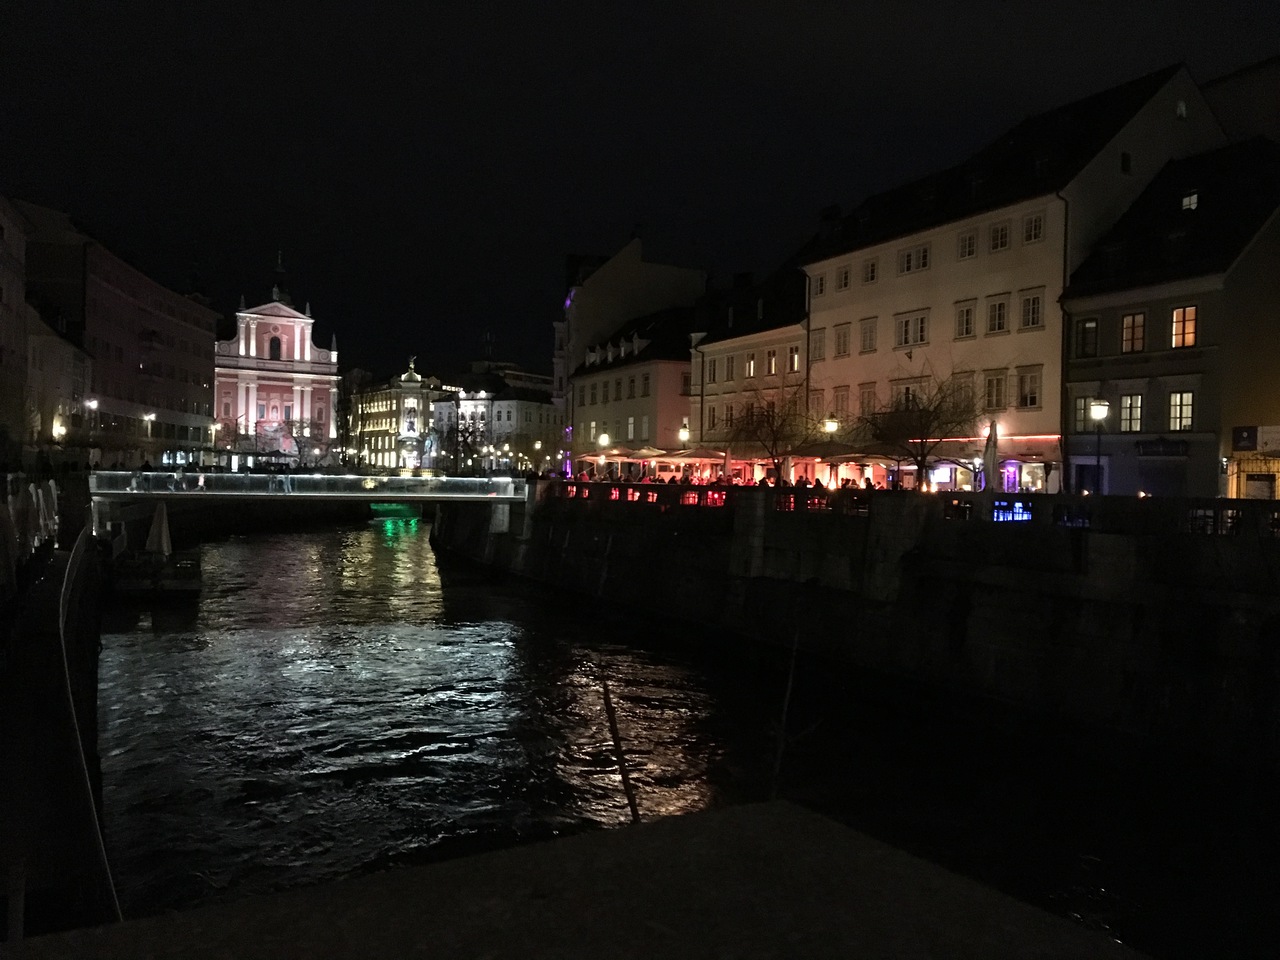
[(426, 166)]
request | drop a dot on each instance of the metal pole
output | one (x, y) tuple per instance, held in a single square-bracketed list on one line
[(1097, 458)]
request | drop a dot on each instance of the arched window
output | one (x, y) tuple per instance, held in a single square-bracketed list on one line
[(273, 349)]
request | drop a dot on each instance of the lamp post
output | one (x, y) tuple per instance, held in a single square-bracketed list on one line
[(1098, 410), (683, 432)]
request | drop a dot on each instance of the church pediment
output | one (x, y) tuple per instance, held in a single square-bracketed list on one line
[(277, 310)]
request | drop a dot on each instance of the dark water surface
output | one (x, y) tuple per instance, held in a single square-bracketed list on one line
[(336, 703)]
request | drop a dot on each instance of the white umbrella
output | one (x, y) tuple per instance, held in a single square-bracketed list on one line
[(990, 459), (158, 537)]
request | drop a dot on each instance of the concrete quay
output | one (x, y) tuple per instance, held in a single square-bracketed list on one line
[(760, 881)]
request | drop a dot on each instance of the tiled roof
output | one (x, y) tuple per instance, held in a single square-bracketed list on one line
[(1040, 155), (1163, 236)]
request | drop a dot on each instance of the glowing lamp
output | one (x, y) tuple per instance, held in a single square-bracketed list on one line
[(831, 424)]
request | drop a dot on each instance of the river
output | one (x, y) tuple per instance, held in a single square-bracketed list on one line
[(337, 703)]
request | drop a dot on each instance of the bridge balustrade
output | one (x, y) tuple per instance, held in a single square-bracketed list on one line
[(196, 483)]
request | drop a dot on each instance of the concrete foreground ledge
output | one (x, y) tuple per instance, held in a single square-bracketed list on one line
[(760, 881)]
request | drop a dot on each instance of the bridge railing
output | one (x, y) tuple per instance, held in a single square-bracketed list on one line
[(196, 482)]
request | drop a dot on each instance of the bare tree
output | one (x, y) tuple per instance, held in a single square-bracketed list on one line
[(921, 414), (773, 420)]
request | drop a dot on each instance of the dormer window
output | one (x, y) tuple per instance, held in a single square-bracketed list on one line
[(1190, 201)]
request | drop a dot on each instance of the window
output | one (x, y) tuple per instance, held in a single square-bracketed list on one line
[(594, 393), (1133, 337), (870, 269), (793, 359), (728, 416), (819, 284), (1180, 404), (867, 335), (997, 316), (226, 408), (966, 245), (273, 348), (999, 237), (817, 345), (1184, 327), (728, 367), (910, 330), (749, 370), (686, 383), (995, 392), (644, 384), (593, 431), (1033, 228), (631, 388), (1032, 312), (842, 339), (842, 277), (631, 428), (866, 399), (1083, 423), (604, 394), (840, 402), (711, 370), (913, 259), (1087, 337), (1029, 386), (644, 427), (1190, 201), (617, 389), (288, 412), (770, 363), (964, 320), (1131, 413), (262, 411), (711, 418), (582, 396)]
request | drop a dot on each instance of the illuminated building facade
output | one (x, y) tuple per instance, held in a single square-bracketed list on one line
[(390, 423), (960, 274), (499, 419), (276, 392)]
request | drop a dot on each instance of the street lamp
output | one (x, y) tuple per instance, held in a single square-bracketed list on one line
[(683, 432), (831, 424), (1098, 410), (603, 440)]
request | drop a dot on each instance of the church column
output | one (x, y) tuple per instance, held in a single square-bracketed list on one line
[(306, 403), (251, 422), (244, 329), (297, 340), (307, 342), (298, 413), (253, 338), (333, 419)]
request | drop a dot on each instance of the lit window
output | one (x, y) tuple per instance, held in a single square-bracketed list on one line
[(793, 359), (1184, 327), (749, 370), (964, 321), (1180, 405), (966, 245), (1133, 337), (999, 237), (1131, 413), (770, 363), (1190, 201)]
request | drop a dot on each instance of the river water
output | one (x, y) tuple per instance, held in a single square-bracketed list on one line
[(337, 703)]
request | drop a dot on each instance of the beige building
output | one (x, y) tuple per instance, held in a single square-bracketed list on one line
[(959, 274)]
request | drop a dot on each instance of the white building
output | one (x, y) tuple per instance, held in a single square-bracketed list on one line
[(959, 274)]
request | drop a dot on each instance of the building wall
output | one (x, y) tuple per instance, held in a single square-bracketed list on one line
[(657, 416), (15, 317), (741, 389)]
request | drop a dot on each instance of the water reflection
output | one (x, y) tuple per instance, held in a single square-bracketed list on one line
[(332, 705)]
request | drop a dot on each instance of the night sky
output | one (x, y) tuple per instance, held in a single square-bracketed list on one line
[(427, 166)]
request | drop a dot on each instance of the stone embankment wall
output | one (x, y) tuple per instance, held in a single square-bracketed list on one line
[(1169, 632)]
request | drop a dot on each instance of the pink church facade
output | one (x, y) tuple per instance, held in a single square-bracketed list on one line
[(275, 392)]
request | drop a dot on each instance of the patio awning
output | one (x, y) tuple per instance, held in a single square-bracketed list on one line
[(693, 455)]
